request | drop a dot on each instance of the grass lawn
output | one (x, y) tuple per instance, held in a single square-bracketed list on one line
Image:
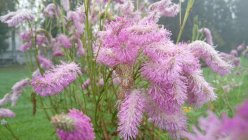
[(25, 125), (29, 127)]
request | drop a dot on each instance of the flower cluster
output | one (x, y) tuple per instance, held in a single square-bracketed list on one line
[(165, 8), (51, 10), (77, 18), (123, 38), (31, 38), (6, 113), (213, 128), (27, 39), (233, 56), (139, 53), (175, 77), (12, 97), (239, 50), (74, 20), (172, 70), (235, 61), (73, 126), (16, 92), (16, 18), (45, 62), (173, 123), (208, 35), (56, 79), (63, 41)]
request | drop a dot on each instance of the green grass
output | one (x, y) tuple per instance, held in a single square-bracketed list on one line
[(226, 102), (37, 127), (25, 125)]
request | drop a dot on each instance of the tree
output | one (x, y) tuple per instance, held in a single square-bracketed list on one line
[(241, 21), (5, 6)]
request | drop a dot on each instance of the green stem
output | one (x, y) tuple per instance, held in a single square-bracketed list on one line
[(180, 13), (43, 107), (189, 8), (38, 64), (227, 103), (11, 132)]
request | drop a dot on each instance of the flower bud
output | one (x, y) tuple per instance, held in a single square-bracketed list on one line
[(63, 122)]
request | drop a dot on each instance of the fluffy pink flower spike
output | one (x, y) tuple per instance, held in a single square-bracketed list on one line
[(56, 79), (130, 115), (16, 18), (51, 10), (165, 8), (45, 62), (208, 35), (64, 41), (6, 113), (211, 57), (123, 39), (16, 92), (223, 128)]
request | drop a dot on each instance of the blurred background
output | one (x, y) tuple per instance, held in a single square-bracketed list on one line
[(227, 19)]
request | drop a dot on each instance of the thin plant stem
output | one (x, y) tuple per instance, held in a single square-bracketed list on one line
[(188, 10), (43, 107), (11, 132)]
